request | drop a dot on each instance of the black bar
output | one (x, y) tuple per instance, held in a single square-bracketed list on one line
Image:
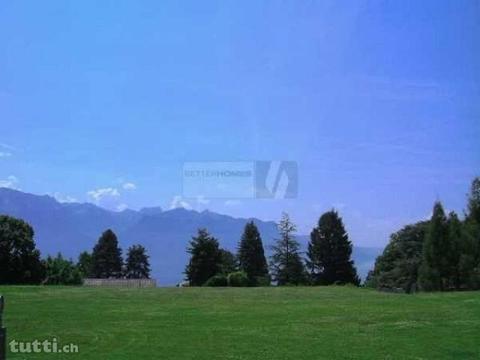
[(3, 344), (3, 332)]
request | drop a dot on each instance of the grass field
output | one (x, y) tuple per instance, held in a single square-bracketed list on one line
[(254, 323)]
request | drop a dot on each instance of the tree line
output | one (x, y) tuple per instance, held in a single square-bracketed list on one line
[(328, 259), (21, 263), (440, 254)]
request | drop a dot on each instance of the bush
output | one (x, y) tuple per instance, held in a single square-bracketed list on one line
[(262, 281), (238, 279), (59, 271), (217, 281)]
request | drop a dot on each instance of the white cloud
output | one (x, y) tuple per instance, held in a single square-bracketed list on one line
[(129, 186), (6, 146), (99, 194), (121, 207), (64, 198), (10, 182), (108, 198), (5, 154), (178, 202), (232, 203)]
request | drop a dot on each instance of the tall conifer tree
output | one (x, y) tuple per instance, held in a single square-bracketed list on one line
[(435, 269), (205, 260), (329, 252), (470, 254), (251, 255), (286, 263), (137, 264), (107, 257), (456, 239)]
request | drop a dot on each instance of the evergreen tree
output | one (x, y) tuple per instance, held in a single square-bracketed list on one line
[(229, 262), (251, 255), (435, 270), (470, 249), (474, 202), (137, 264), (443, 253), (205, 260), (286, 262), (329, 252), (455, 238), (85, 263), (107, 257), (19, 259), (469, 264)]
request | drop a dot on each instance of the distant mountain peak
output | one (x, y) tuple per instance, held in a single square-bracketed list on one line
[(153, 210)]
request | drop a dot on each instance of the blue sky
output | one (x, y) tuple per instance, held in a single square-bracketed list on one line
[(377, 101)]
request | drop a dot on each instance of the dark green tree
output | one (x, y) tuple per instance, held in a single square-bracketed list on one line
[(238, 279), (329, 253), (205, 258), (229, 262), (470, 248), (398, 266), (107, 257), (286, 263), (456, 239), (219, 280), (435, 270), (474, 202), (137, 264), (59, 271), (85, 263), (441, 254), (19, 259), (469, 264), (251, 255)]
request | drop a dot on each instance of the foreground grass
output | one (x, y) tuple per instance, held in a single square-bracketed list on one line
[(255, 323)]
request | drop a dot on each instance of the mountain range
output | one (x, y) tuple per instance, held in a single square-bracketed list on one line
[(70, 228)]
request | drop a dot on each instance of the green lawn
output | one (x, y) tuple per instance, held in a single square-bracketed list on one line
[(252, 323)]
